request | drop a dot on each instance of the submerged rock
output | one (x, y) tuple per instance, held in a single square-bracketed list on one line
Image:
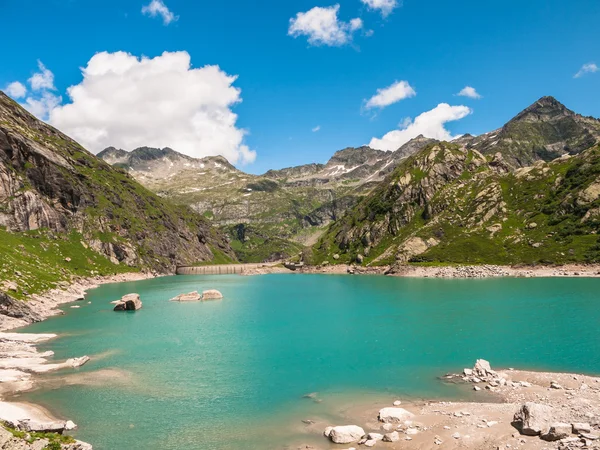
[(129, 302), (211, 294), (345, 434), (189, 297)]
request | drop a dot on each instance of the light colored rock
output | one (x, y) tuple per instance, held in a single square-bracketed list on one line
[(129, 302), (374, 436), (40, 444), (557, 431), (211, 294), (532, 418), (70, 425), (579, 428), (346, 434), (394, 415), (391, 437), (77, 445), (189, 297), (397, 403), (327, 431), (370, 443)]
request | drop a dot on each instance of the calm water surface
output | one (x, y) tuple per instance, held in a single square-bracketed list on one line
[(221, 375)]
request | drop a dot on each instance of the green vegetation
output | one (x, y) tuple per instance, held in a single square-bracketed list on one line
[(54, 439), (37, 261), (465, 212)]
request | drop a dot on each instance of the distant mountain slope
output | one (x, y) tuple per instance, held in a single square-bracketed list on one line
[(449, 204), (543, 131), (53, 189), (267, 217)]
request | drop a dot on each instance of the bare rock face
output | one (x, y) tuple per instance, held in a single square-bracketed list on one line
[(129, 302), (345, 434), (211, 294), (189, 297), (533, 419)]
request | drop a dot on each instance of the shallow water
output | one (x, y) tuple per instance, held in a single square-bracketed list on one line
[(224, 374)]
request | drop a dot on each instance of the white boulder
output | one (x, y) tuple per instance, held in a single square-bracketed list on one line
[(345, 434), (394, 415)]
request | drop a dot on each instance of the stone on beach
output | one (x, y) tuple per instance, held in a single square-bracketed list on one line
[(345, 434), (391, 437), (189, 297), (394, 415), (579, 428), (129, 302), (557, 431), (532, 418), (211, 294)]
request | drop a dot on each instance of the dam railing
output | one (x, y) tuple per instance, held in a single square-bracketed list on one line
[(219, 269)]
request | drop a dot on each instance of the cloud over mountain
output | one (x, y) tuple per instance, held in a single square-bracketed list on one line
[(430, 124), (128, 102)]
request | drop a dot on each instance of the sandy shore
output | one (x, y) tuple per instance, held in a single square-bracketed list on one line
[(483, 425)]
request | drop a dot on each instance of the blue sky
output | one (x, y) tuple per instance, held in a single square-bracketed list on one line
[(512, 52)]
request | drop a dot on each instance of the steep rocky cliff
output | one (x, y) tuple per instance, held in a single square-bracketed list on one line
[(53, 190)]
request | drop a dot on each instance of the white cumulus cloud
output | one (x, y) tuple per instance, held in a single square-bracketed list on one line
[(430, 124), (317, 128), (399, 90), (470, 92), (158, 8), (385, 7), (128, 102), (16, 90), (44, 79), (586, 68), (322, 26)]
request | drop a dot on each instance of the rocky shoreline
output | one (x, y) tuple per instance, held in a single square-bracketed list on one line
[(20, 362), (517, 410), (458, 271)]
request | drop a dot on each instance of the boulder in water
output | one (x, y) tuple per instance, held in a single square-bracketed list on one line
[(129, 302), (189, 297), (211, 294)]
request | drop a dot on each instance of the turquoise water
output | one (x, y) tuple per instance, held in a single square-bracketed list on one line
[(211, 375)]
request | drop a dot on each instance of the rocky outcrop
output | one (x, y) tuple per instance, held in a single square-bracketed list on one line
[(129, 302)]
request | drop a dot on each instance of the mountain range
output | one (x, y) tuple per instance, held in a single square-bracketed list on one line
[(430, 201)]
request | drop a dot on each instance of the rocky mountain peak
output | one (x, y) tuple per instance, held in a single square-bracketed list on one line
[(545, 109)]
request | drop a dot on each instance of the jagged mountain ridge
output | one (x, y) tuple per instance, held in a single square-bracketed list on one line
[(541, 132), (53, 189)]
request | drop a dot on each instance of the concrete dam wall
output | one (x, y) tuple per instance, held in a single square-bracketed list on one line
[(220, 269)]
